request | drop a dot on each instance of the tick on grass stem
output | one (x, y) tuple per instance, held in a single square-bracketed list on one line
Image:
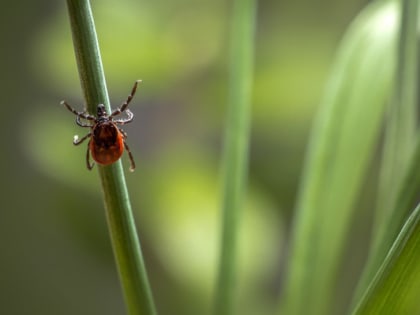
[(106, 139)]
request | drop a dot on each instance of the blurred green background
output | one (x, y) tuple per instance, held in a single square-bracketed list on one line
[(55, 253)]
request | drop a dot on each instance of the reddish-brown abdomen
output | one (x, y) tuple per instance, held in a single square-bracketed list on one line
[(107, 143)]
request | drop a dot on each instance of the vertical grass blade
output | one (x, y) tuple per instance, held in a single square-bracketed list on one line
[(121, 224), (342, 144), (236, 148)]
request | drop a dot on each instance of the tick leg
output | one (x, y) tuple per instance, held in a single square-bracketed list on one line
[(123, 133), (77, 141), (79, 115), (124, 105), (132, 163), (81, 123), (125, 120), (88, 164)]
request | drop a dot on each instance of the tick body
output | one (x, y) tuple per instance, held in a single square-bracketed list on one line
[(107, 140)]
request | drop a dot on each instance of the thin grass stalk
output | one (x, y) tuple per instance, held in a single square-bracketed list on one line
[(122, 229), (236, 149)]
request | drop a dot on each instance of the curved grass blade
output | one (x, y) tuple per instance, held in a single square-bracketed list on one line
[(399, 168), (342, 144)]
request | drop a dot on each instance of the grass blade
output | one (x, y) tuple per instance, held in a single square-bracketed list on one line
[(343, 142), (398, 182), (236, 148), (396, 286)]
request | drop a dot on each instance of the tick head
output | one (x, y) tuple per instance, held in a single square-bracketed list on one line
[(101, 111)]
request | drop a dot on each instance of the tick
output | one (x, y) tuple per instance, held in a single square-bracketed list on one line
[(107, 141)]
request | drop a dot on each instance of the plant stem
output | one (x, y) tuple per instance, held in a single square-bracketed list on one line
[(125, 243), (236, 148)]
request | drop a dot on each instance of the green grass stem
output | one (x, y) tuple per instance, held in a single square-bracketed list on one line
[(124, 239), (236, 148)]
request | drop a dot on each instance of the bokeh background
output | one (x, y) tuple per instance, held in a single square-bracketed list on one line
[(55, 255)]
